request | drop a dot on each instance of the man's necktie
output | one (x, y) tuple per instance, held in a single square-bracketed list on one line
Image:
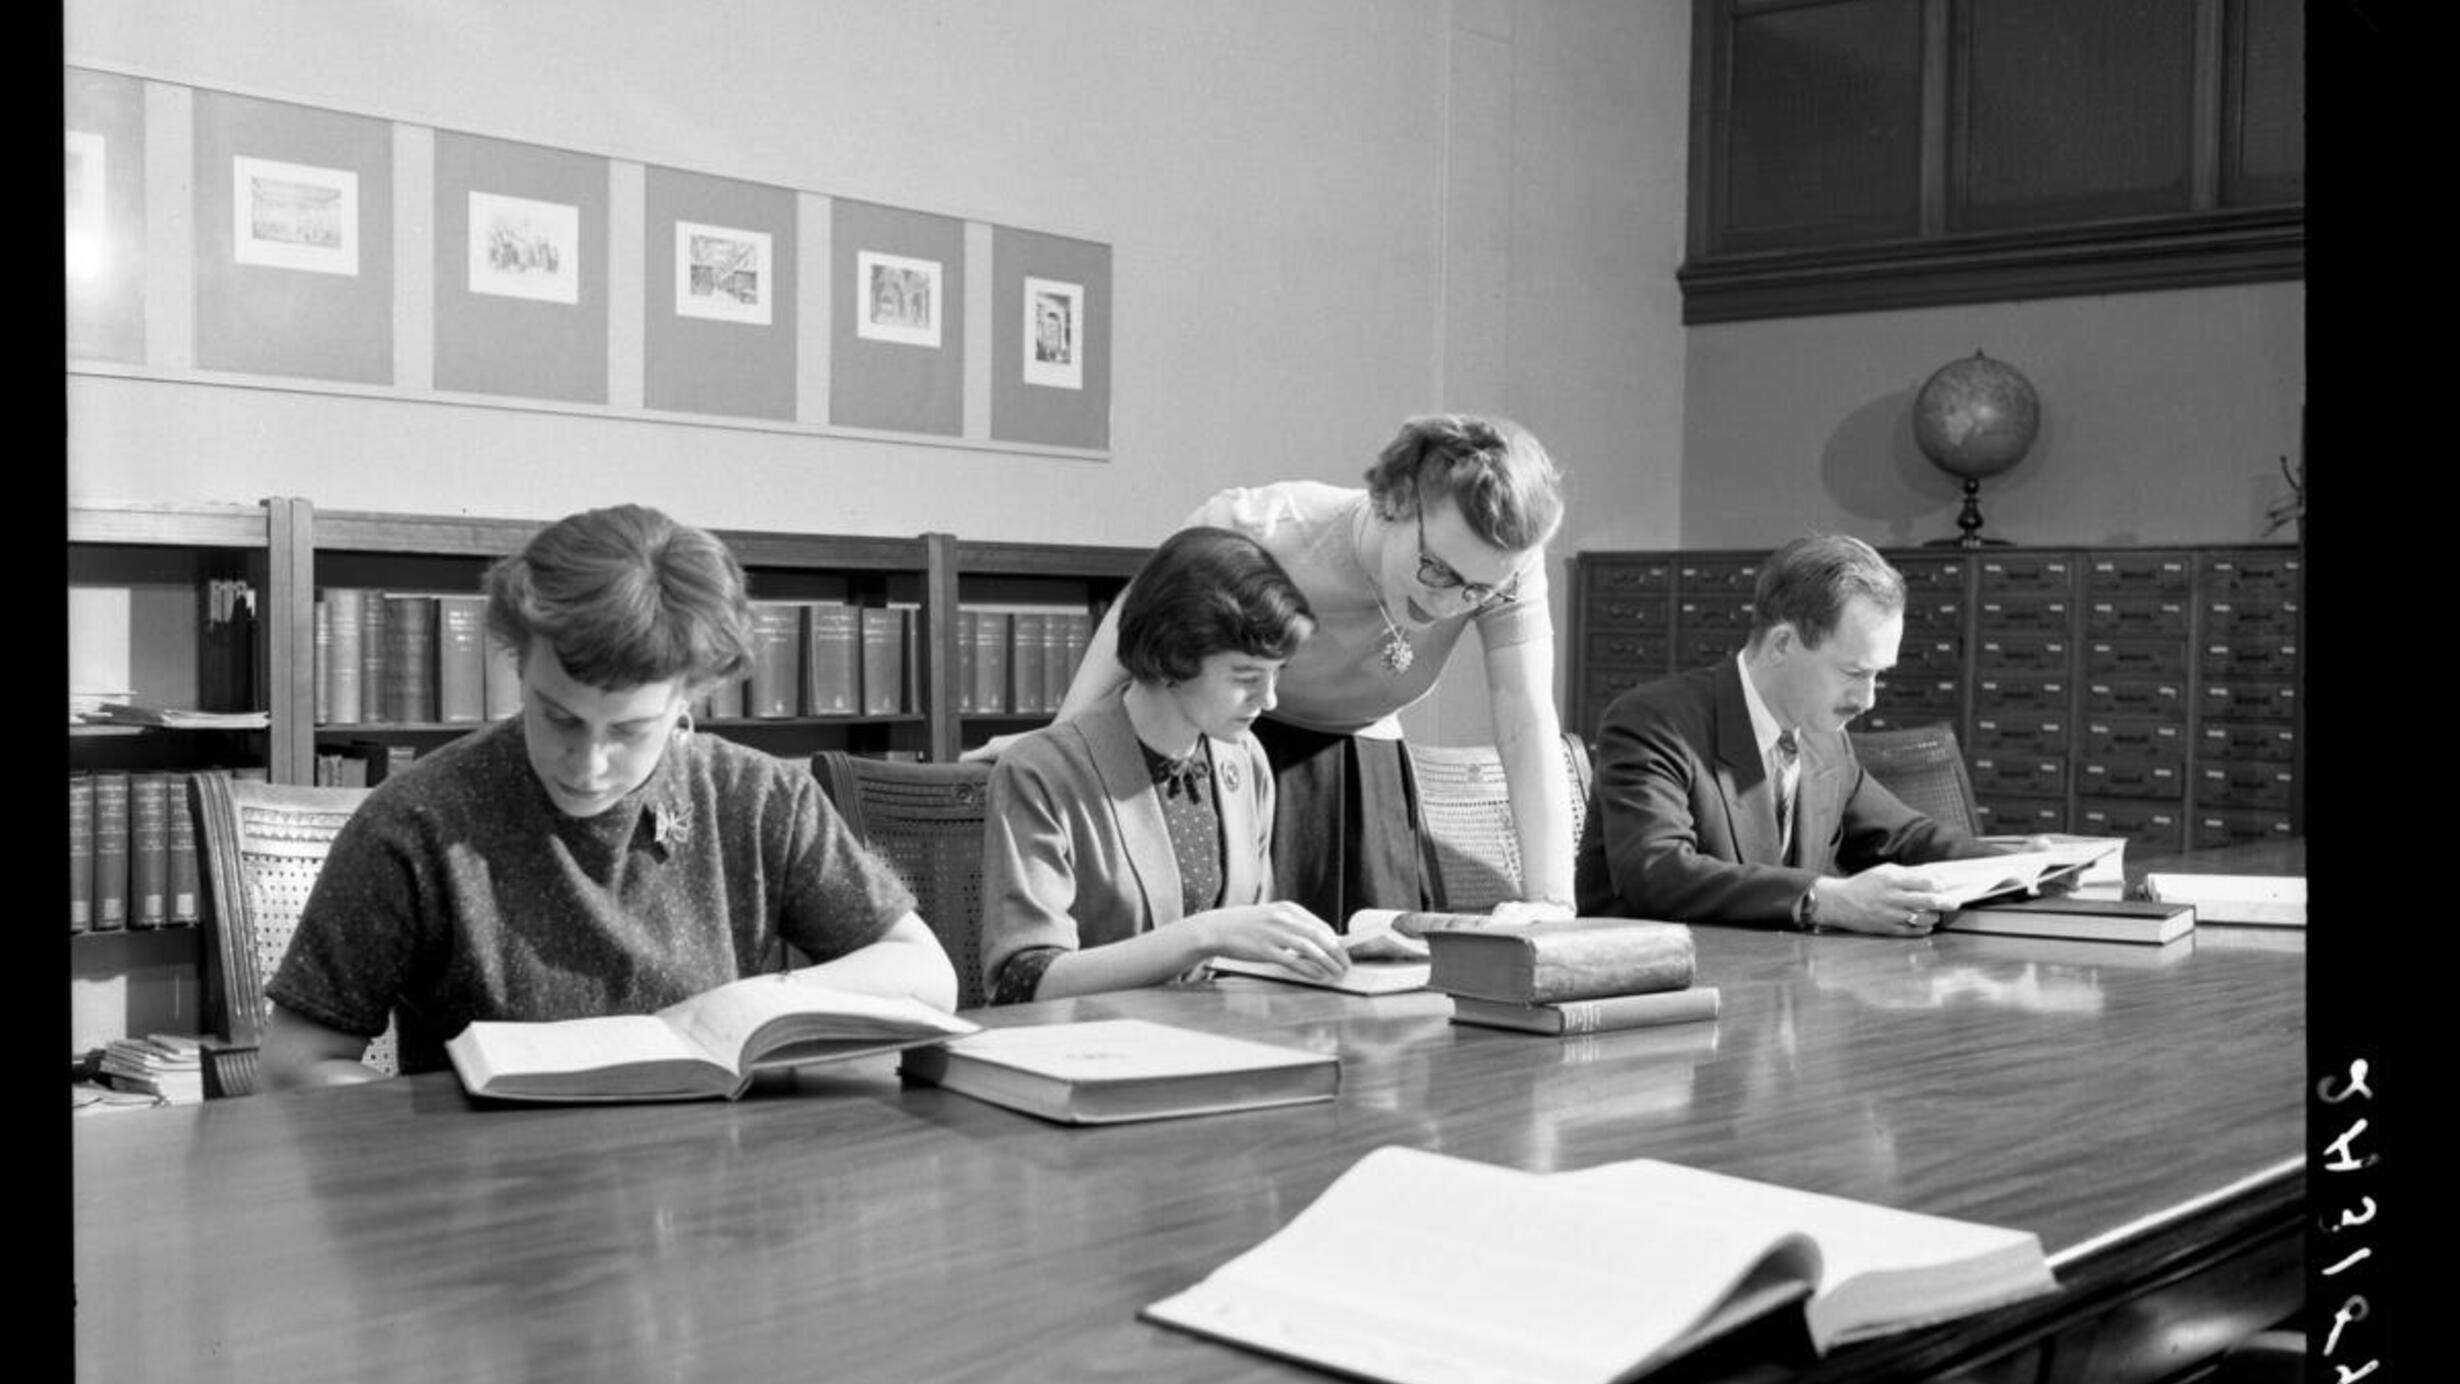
[(1786, 754)]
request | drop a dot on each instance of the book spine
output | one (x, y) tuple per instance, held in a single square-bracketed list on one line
[(345, 665), (410, 658), (1055, 666), (883, 659), (776, 670), (80, 852), (1025, 662), (324, 660), (110, 851), (185, 888), (1608, 1012), (149, 850), (461, 659), (833, 684), (374, 693), (991, 663), (969, 629), (1080, 634), (910, 693)]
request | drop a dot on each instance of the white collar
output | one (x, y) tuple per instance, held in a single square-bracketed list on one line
[(1764, 727)]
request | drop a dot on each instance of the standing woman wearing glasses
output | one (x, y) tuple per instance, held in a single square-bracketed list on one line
[(1448, 535)]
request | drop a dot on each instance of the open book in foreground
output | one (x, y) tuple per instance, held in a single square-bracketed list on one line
[(1586, 1277), (1980, 877), (1102, 1071), (707, 1046)]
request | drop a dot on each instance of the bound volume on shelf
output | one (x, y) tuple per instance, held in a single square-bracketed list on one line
[(1102, 1071), (707, 1047), (1592, 1276)]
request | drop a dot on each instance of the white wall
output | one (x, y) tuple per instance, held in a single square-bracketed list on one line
[(1324, 216)]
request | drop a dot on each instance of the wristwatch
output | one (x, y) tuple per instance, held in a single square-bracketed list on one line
[(1806, 910)]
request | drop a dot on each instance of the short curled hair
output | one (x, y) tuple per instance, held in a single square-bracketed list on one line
[(1807, 582), (1492, 469), (1206, 591), (625, 596)]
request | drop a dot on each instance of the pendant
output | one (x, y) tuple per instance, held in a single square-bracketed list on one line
[(1396, 653)]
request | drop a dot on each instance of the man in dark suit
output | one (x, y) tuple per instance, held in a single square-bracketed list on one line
[(1730, 794)]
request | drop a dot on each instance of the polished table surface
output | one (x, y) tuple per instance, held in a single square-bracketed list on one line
[(2132, 1106)]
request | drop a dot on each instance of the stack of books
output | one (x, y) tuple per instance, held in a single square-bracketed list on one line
[(1570, 975), (170, 1067)]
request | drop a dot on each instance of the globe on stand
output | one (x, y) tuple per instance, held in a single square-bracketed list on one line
[(1974, 418)]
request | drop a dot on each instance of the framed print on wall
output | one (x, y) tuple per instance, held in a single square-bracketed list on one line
[(896, 341), (520, 269), (1050, 339), (723, 273), (294, 216), (718, 329), (1052, 353), (897, 297)]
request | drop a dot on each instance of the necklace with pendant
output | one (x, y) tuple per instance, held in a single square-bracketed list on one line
[(1395, 652)]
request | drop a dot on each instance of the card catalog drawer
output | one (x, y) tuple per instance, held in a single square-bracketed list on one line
[(2003, 814), (2232, 826), (2166, 573), (2142, 658), (2250, 701), (2247, 574), (1637, 612), (1695, 613), (2155, 739), (2250, 659), (1938, 575), (1624, 576), (1933, 615), (2154, 826), (2023, 653), (1942, 697), (2120, 697), (1697, 650), (2258, 618), (2042, 573), (2020, 735), (1630, 650), (2025, 615), (1932, 655), (2019, 773), (2267, 743), (1727, 576), (2012, 694), (2132, 776), (2129, 616), (2244, 785)]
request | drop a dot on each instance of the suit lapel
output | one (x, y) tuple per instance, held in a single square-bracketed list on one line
[(1742, 776), (1236, 796), (1136, 810)]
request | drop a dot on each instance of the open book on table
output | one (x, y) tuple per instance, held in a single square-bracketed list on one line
[(705, 1047), (1586, 1277), (1980, 877)]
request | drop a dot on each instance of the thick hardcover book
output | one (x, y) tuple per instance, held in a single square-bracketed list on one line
[(2253, 900), (709, 1046), (1080, 634), (410, 657), (833, 660), (1561, 959), (969, 629), (1599, 1015), (1025, 654), (461, 659), (991, 662), (502, 679), (1103, 1071), (777, 668), (883, 633), (379, 759), (910, 689), (110, 850), (2013, 875), (2079, 918), (80, 852), (1614, 1270), (323, 660), (149, 850), (186, 906), (346, 661), (1056, 670), (376, 693)]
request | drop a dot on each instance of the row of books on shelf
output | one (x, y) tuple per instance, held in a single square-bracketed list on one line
[(410, 657), (132, 858)]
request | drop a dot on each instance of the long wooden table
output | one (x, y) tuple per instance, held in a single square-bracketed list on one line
[(2141, 1111)]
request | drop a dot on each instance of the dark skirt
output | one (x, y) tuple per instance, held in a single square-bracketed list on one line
[(1345, 823)]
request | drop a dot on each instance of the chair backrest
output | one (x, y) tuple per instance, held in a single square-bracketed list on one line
[(1466, 812), (925, 820), (261, 849), (1922, 766)]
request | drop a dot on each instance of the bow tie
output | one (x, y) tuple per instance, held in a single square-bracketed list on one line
[(1183, 776)]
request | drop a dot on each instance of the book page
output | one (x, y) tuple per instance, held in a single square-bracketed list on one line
[(1364, 977), (1099, 1050), (799, 1019), (1975, 1264), (1987, 876), (1524, 1276), (570, 1046)]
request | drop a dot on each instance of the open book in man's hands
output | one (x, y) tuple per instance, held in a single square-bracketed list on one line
[(705, 1047), (2018, 873), (1583, 1277)]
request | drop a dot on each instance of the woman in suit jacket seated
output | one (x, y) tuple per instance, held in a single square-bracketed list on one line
[(1131, 843)]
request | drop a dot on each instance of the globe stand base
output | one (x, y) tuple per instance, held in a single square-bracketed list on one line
[(1969, 524)]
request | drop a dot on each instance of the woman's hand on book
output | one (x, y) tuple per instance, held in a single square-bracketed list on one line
[(1282, 933)]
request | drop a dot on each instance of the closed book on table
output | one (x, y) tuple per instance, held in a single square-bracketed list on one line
[(2246, 900), (110, 850), (1103, 1071), (1602, 1014), (1025, 653), (346, 659), (410, 658), (80, 852), (461, 659), (883, 632), (991, 662), (149, 850), (2080, 918), (185, 890), (833, 662), (1561, 959)]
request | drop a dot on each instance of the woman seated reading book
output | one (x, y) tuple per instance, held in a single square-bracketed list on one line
[(591, 855), (1132, 843)]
